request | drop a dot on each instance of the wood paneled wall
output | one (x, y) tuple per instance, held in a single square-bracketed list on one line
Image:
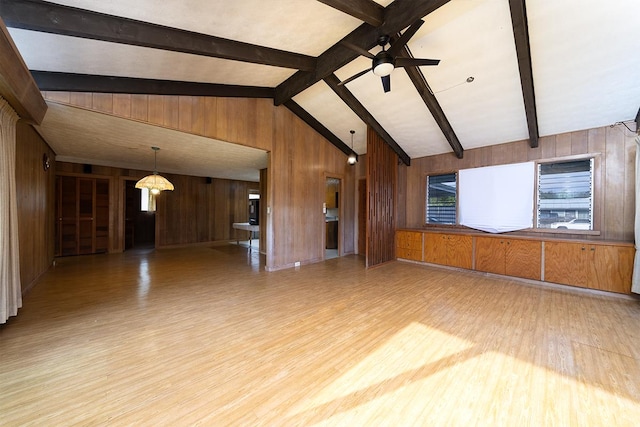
[(245, 121), (614, 192), (195, 212), (382, 170), (35, 189), (299, 161)]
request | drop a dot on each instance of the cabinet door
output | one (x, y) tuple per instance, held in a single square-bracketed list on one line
[(490, 255), (612, 267), (409, 245), (435, 248), (523, 258), (566, 263), (459, 251)]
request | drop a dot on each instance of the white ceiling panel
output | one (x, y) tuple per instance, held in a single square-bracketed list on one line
[(401, 112), (83, 56), (323, 104), (477, 41), (303, 26), (585, 62)]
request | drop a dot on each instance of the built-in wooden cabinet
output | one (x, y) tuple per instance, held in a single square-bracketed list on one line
[(455, 250), (82, 215), (512, 257), (606, 266), (409, 245)]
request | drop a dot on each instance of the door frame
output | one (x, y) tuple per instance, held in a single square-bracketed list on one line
[(331, 175)]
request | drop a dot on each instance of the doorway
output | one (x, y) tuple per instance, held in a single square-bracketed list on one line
[(332, 217), (139, 225)]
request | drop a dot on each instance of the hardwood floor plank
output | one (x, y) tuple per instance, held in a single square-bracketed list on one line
[(206, 336)]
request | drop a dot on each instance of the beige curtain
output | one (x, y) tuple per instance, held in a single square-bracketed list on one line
[(635, 283), (10, 288)]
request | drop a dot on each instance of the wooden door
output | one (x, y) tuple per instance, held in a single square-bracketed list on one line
[(459, 251), (82, 225), (490, 255), (67, 216), (523, 258), (435, 248), (612, 268), (566, 263)]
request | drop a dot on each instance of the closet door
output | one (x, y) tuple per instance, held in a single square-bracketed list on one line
[(82, 210)]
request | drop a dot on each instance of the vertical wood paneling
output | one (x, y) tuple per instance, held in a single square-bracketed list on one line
[(103, 102), (382, 165), (171, 112), (198, 117), (614, 184), (140, 107), (614, 179), (299, 160), (579, 142), (563, 145), (185, 112), (122, 105), (35, 189), (156, 110)]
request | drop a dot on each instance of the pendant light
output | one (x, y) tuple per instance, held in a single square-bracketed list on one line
[(352, 157), (155, 183)]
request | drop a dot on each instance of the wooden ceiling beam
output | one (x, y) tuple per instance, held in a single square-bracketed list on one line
[(398, 15), (17, 86), (318, 127), (67, 82), (420, 83), (523, 52), (355, 105), (365, 10), (52, 18)]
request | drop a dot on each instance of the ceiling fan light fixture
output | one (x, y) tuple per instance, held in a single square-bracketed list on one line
[(382, 65), (155, 183)]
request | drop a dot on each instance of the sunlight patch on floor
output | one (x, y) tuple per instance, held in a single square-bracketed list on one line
[(396, 361)]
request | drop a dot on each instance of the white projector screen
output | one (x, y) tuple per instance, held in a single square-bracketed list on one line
[(497, 199)]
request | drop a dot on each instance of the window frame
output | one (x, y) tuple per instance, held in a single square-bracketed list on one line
[(596, 199), (425, 185)]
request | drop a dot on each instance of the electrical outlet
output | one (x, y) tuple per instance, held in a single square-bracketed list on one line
[(296, 264)]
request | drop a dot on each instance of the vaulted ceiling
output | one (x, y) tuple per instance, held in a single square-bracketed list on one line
[(509, 69)]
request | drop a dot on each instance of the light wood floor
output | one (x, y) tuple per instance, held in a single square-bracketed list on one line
[(203, 336)]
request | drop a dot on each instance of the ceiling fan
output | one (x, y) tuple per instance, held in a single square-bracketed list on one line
[(384, 62)]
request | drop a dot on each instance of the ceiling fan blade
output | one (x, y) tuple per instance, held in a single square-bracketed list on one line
[(415, 62), (395, 48), (355, 76), (386, 83), (358, 49)]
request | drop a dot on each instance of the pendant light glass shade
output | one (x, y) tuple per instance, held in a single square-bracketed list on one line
[(155, 183), (352, 159)]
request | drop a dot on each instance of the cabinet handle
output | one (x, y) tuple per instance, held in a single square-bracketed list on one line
[(583, 248), (593, 249)]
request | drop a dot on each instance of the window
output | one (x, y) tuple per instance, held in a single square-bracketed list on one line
[(147, 200), (565, 195), (441, 199)]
